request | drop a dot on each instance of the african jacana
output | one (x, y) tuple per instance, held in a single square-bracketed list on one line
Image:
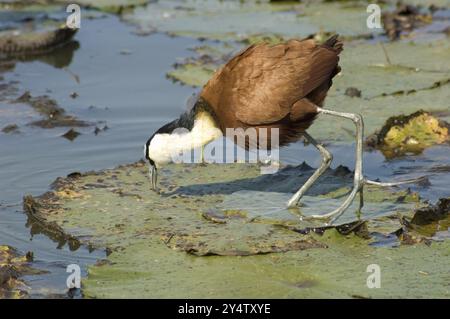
[(264, 86)]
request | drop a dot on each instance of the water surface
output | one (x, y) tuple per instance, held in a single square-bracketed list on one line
[(122, 84)]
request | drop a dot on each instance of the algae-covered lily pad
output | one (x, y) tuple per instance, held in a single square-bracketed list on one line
[(157, 242), (241, 20), (410, 134)]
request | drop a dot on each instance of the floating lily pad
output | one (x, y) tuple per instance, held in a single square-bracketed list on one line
[(155, 240), (241, 20), (366, 67), (192, 74), (112, 6)]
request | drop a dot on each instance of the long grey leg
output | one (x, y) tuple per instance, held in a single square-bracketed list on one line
[(403, 182), (327, 157), (358, 181)]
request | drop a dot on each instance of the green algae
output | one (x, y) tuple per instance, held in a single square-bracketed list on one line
[(410, 134), (421, 126), (161, 244)]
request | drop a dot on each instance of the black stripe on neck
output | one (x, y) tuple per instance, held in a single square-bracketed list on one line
[(187, 119)]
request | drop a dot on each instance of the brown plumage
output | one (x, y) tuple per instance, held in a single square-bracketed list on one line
[(281, 86), (274, 86)]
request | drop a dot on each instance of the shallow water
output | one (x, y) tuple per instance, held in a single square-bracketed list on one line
[(132, 106), (122, 82)]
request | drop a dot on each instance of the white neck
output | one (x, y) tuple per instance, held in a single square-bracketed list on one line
[(164, 147)]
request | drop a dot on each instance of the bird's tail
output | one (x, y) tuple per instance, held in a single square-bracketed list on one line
[(334, 43)]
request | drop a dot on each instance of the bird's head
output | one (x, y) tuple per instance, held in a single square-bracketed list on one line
[(160, 149), (192, 130)]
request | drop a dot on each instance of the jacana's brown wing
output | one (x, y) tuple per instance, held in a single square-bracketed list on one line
[(263, 83)]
